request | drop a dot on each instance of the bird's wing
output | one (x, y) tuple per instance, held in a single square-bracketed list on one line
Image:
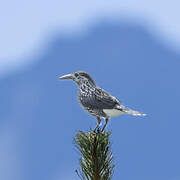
[(100, 100)]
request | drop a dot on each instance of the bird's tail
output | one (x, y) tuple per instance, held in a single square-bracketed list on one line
[(130, 111), (134, 113)]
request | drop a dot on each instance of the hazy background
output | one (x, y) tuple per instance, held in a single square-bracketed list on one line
[(130, 47)]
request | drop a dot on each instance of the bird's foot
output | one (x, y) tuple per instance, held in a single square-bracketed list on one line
[(97, 130)]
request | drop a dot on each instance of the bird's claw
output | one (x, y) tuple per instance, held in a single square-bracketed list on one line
[(97, 130)]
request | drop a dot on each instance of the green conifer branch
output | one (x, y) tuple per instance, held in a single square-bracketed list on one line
[(96, 160)]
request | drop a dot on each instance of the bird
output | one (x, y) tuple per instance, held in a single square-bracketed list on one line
[(96, 101)]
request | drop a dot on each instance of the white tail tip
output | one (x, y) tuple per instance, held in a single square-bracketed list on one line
[(135, 113)]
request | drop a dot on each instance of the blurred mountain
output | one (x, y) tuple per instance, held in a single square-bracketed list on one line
[(126, 60)]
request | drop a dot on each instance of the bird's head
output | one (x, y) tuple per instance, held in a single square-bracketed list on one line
[(80, 77)]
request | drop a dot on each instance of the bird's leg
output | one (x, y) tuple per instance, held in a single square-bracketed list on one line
[(98, 123), (107, 119)]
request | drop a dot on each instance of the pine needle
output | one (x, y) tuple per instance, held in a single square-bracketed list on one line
[(96, 160)]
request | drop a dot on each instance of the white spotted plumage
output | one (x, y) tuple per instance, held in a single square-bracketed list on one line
[(95, 100)]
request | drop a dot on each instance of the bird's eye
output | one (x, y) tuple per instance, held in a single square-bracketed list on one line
[(76, 74)]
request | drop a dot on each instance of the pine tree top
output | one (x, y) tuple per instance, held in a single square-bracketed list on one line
[(96, 160)]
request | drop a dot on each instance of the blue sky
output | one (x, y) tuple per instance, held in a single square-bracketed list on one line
[(26, 26), (134, 58)]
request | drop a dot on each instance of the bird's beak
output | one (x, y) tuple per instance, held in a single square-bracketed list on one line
[(68, 76)]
